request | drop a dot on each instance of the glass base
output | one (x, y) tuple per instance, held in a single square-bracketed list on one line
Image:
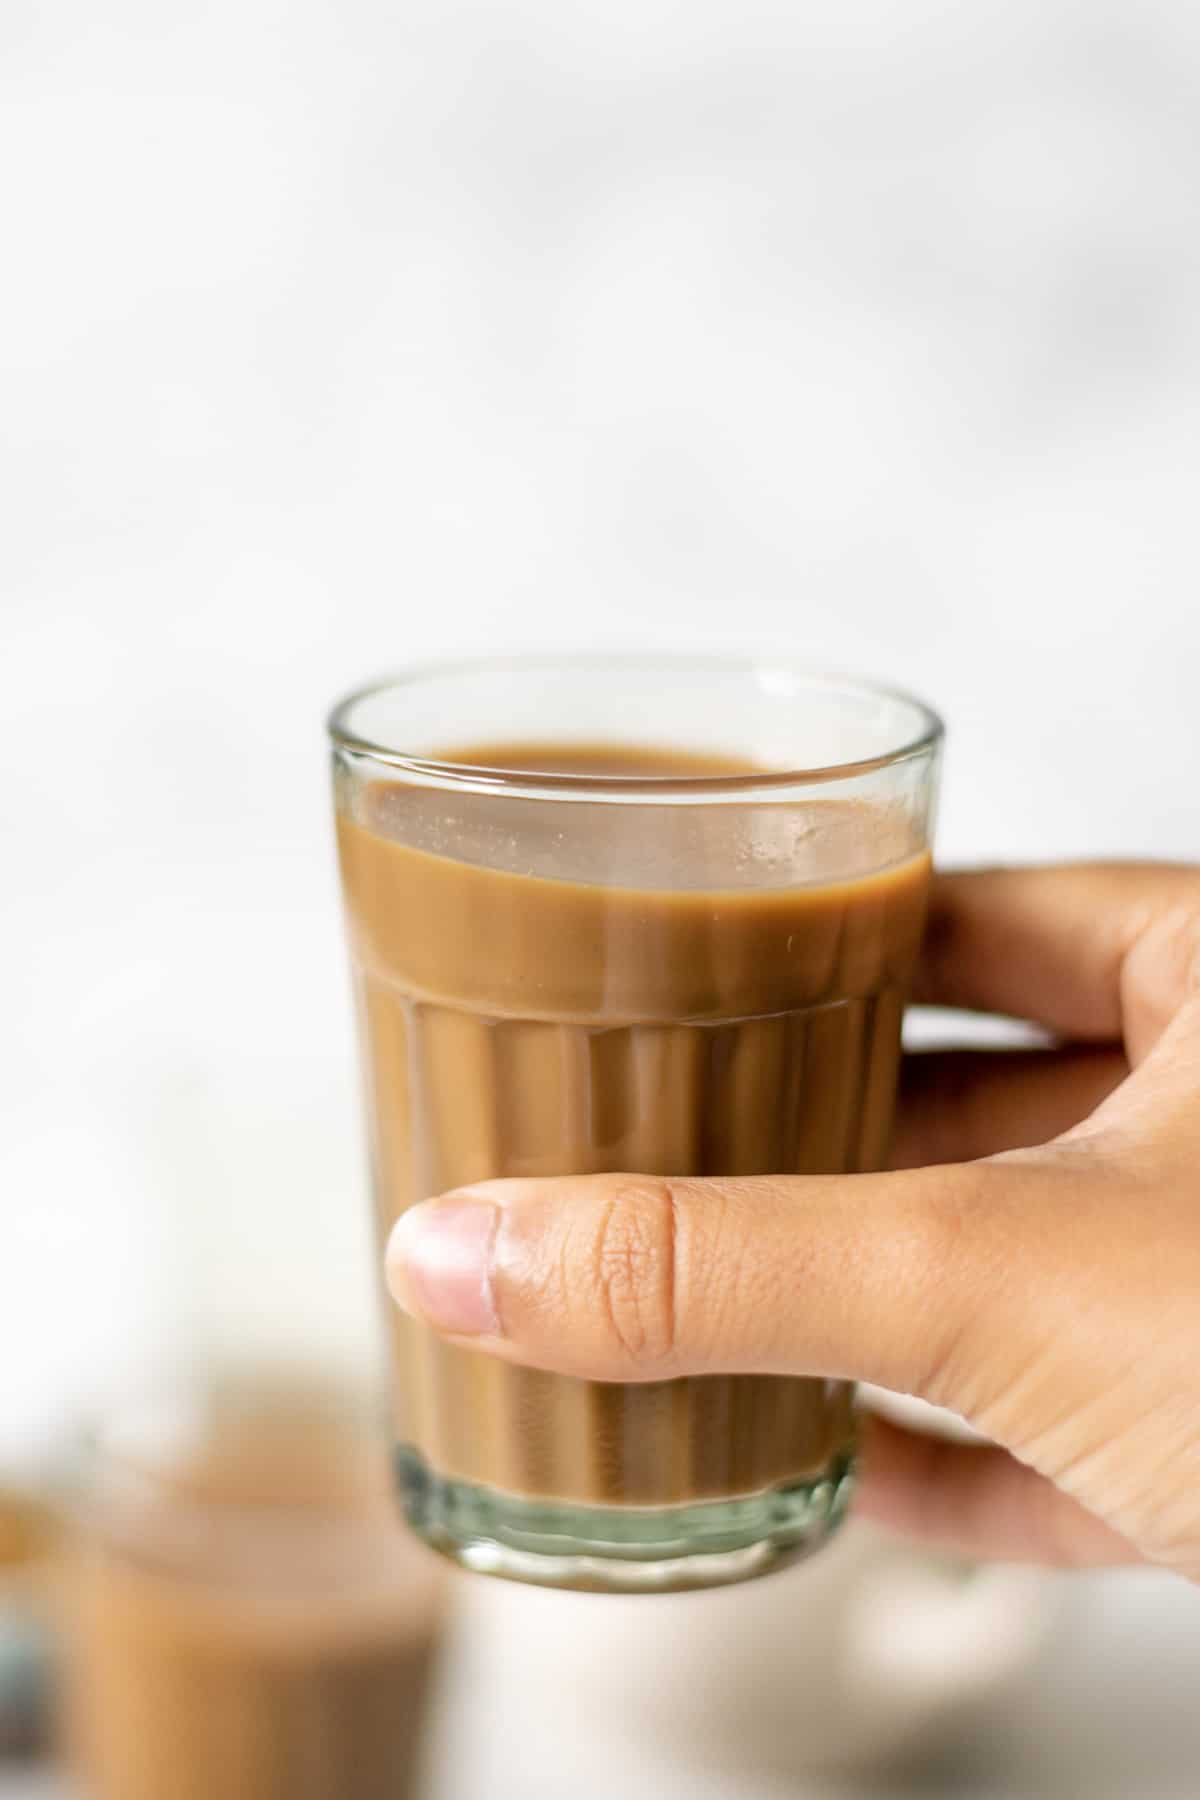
[(621, 1549)]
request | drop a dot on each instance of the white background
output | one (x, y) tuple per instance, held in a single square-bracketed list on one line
[(336, 334)]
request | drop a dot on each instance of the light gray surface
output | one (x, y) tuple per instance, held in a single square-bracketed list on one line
[(1108, 1713), (33, 1784)]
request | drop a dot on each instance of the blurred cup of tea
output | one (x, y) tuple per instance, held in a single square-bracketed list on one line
[(243, 1613)]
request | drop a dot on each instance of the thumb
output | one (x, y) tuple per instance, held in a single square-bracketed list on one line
[(880, 1278)]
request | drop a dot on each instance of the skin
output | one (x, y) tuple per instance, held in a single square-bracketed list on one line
[(1032, 1261)]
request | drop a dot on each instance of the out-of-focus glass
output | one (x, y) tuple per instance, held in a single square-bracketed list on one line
[(244, 1615), (647, 915), (27, 1542)]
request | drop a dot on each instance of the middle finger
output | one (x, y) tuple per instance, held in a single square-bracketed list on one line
[(956, 1105)]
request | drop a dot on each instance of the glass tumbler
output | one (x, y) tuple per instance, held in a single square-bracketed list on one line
[(650, 915), (244, 1615)]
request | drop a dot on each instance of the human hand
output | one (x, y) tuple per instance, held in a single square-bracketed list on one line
[(1031, 1262)]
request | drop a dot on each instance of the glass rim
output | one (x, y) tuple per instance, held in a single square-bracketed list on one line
[(927, 739), (138, 1434)]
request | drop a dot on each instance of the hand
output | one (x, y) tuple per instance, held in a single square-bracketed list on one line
[(1032, 1262)]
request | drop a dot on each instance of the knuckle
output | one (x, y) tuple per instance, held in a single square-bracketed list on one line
[(1181, 930), (634, 1267), (1159, 965), (1175, 934)]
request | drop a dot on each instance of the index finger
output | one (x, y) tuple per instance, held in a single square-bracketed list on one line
[(1045, 944)]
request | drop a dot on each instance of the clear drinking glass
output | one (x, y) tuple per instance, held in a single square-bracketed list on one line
[(243, 1613), (652, 915)]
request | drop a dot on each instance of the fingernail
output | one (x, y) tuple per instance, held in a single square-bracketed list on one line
[(439, 1260)]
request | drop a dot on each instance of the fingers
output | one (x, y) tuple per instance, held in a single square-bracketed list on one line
[(957, 1105), (881, 1278), (1049, 944), (980, 1501)]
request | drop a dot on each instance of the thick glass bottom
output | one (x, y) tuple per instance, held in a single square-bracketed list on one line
[(621, 1549)]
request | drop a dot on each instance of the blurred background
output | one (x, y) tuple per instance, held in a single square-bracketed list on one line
[(338, 335)]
